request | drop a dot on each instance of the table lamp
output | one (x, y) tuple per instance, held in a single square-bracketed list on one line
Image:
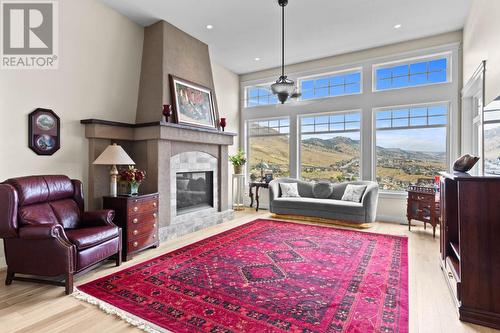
[(113, 155)]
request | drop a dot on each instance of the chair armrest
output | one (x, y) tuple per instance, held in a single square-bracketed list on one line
[(274, 189), (8, 211), (42, 231), (98, 218), (370, 202), (274, 192)]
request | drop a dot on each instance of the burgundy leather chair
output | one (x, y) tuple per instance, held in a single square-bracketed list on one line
[(47, 233)]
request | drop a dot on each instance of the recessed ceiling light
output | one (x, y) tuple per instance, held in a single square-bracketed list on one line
[(209, 26), (397, 26), (256, 59)]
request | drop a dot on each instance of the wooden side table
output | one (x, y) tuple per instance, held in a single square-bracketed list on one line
[(138, 218), (257, 186), (423, 205)]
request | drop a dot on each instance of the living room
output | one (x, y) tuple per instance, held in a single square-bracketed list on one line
[(265, 166)]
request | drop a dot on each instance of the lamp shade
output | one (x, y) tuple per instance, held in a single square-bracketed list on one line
[(114, 155)]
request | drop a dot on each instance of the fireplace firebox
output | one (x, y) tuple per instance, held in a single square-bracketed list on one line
[(194, 191)]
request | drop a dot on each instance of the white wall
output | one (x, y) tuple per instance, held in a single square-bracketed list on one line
[(227, 90), (98, 77), (392, 207), (482, 42)]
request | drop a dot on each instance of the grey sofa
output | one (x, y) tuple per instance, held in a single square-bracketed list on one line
[(332, 208)]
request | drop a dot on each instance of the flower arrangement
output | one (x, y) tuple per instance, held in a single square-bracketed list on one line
[(238, 160), (130, 179)]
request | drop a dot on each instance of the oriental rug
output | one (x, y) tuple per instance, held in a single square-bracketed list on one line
[(266, 276)]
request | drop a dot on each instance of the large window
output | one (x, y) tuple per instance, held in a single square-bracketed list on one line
[(491, 146), (411, 74), (331, 85), (268, 145), (259, 95), (411, 145), (330, 146)]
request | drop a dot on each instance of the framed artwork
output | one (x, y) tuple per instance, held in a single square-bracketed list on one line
[(44, 134), (193, 103)]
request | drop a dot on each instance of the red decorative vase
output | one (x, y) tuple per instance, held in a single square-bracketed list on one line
[(222, 123), (167, 111)]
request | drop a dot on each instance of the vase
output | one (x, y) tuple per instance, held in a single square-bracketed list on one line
[(238, 169), (129, 189)]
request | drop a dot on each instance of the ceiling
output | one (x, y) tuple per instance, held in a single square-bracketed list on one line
[(245, 30)]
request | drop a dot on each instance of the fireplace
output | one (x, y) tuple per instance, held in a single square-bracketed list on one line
[(194, 191)]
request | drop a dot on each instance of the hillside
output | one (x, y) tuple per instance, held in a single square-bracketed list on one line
[(338, 158)]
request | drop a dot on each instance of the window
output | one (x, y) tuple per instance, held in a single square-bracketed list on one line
[(268, 142), (332, 85), (411, 74), (330, 146), (411, 145), (491, 146), (260, 95)]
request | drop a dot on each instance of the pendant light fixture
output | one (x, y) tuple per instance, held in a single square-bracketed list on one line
[(283, 87)]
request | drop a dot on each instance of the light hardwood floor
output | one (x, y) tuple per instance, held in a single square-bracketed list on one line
[(27, 307)]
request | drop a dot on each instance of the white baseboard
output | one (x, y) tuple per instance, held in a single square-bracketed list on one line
[(391, 219)]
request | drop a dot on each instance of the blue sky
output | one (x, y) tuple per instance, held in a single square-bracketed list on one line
[(421, 139)]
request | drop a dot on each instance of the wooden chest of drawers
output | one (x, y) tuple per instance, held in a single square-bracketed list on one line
[(138, 218)]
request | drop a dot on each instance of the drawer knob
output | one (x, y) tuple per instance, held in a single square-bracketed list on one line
[(136, 244), (154, 236), (154, 215), (136, 209), (154, 225), (154, 204), (135, 200), (135, 232), (135, 220)]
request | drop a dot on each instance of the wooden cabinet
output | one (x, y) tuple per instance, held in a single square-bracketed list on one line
[(470, 245), (422, 206), (138, 218)]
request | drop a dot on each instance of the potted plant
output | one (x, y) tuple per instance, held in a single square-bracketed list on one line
[(238, 160), (130, 179)]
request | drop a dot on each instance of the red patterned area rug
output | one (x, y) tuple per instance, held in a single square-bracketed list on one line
[(266, 276)]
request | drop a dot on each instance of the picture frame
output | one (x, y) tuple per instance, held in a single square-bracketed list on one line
[(193, 104), (268, 177), (44, 131)]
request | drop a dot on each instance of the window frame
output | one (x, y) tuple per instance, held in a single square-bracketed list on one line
[(374, 137), (248, 136), (246, 98), (329, 113), (409, 62), (482, 122), (353, 70)]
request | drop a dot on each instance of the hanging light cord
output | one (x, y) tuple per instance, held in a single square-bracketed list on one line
[(282, 41)]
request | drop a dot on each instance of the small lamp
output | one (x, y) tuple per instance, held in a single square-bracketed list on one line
[(262, 166), (113, 155)]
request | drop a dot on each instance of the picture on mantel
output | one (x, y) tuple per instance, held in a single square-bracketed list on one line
[(193, 103)]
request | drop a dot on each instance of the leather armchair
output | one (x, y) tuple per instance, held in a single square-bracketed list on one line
[(46, 231)]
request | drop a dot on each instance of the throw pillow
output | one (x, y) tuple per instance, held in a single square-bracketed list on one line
[(354, 192), (322, 190), (289, 190)]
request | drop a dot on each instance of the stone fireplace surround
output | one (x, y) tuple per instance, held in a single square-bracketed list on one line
[(163, 149)]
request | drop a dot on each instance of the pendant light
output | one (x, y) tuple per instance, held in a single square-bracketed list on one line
[(283, 87)]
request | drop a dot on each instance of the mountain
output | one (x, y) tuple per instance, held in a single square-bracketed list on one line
[(339, 157)]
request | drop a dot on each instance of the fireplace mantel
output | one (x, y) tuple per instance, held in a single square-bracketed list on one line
[(153, 146), (105, 129)]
